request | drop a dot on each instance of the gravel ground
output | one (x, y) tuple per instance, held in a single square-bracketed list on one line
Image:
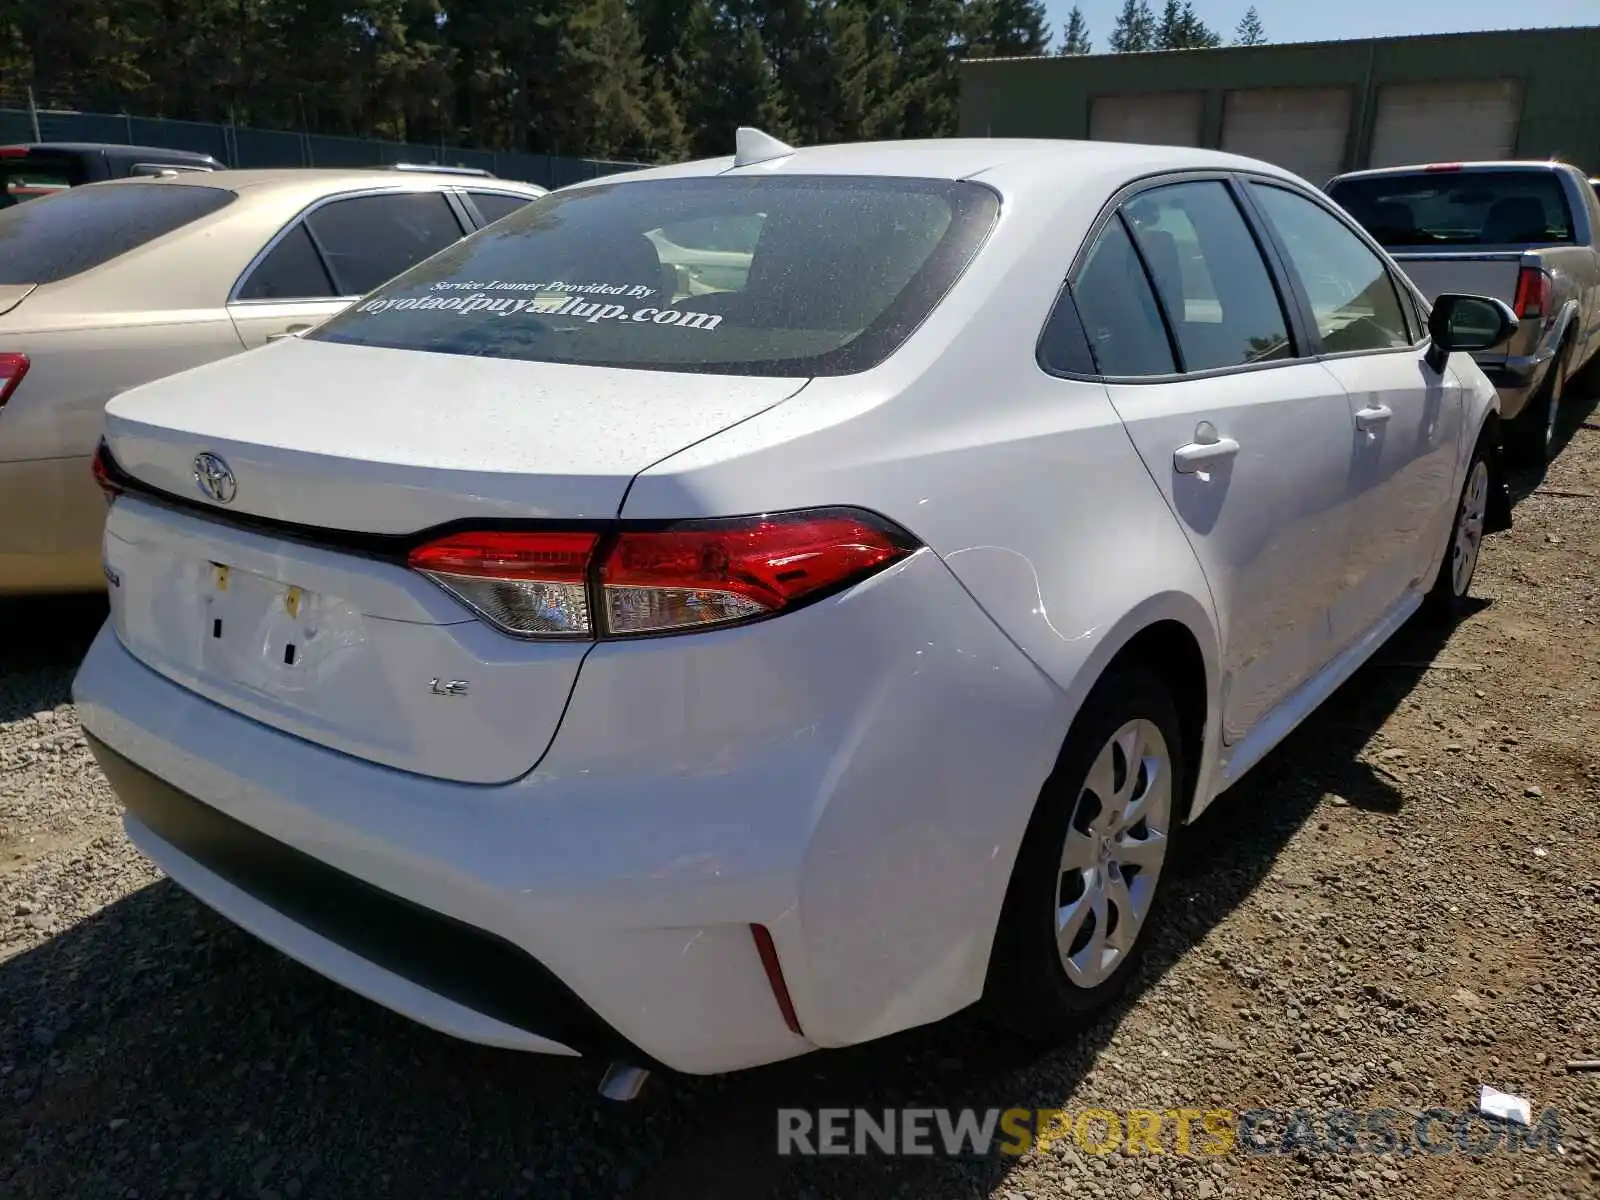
[(1402, 903)]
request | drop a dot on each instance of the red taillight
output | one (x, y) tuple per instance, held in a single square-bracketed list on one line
[(12, 368), (688, 576), (1533, 293), (13, 152), (526, 583), (101, 466), (729, 571)]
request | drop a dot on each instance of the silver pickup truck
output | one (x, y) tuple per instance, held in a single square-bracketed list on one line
[(1525, 232)]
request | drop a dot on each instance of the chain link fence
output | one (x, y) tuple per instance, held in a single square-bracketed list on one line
[(29, 117)]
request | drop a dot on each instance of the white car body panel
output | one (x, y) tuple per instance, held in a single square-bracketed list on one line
[(1254, 536), (1404, 474), (816, 773), (511, 439), (855, 776), (369, 637)]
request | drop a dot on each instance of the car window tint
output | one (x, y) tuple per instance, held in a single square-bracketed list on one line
[(368, 240), (290, 271), (494, 205), (1210, 276), (34, 175), (1064, 344), (709, 255), (57, 237), (764, 275), (1352, 295), (1126, 335), (1459, 208)]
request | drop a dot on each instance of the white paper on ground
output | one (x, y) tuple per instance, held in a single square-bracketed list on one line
[(1492, 1103)]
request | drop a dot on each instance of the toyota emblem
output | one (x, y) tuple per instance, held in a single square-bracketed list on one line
[(215, 478)]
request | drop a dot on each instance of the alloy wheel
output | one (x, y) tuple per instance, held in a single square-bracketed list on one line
[(1115, 847), (1468, 539)]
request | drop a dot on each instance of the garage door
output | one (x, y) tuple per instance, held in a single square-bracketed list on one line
[(1156, 118), (1303, 129), (1445, 122)]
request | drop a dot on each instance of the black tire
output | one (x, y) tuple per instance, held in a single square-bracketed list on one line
[(1447, 598), (1028, 991), (1531, 437)]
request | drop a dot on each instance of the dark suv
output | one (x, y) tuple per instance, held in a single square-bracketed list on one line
[(42, 168)]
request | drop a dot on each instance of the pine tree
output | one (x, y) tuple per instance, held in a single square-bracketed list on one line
[(1250, 31), (1135, 29), (1006, 29), (1181, 28), (1169, 31), (1195, 33), (1075, 34), (927, 90)]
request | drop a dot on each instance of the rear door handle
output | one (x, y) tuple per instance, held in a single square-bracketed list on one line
[(1371, 418), (1197, 456)]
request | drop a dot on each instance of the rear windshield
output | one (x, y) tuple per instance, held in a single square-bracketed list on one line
[(54, 238), (1462, 208), (791, 276), (27, 177)]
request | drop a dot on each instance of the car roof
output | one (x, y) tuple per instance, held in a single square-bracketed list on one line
[(1002, 161), (315, 181)]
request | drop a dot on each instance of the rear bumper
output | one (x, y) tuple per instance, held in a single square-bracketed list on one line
[(322, 912), (855, 776)]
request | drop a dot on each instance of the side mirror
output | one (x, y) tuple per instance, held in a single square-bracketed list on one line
[(1467, 323), (293, 331)]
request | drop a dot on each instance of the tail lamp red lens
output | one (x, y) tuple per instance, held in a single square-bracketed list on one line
[(12, 368), (525, 583), (635, 582), (105, 471), (1532, 297)]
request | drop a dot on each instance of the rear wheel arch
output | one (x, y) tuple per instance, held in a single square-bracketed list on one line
[(1169, 649), (1158, 675)]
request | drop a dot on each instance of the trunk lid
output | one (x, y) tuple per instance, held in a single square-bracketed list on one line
[(355, 651), (13, 294), (374, 440)]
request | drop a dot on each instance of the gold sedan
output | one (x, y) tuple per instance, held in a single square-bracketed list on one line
[(115, 284)]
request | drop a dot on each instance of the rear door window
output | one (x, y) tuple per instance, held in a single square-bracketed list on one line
[(1459, 208), (367, 240), (1119, 313), (787, 276), (74, 231), (1210, 276), (292, 270), (494, 205)]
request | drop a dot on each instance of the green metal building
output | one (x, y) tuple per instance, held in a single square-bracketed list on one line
[(1317, 108)]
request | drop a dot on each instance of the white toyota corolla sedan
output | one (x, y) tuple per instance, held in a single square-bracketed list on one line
[(768, 603)]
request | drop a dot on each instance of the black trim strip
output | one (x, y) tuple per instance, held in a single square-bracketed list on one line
[(396, 547), (461, 962)]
